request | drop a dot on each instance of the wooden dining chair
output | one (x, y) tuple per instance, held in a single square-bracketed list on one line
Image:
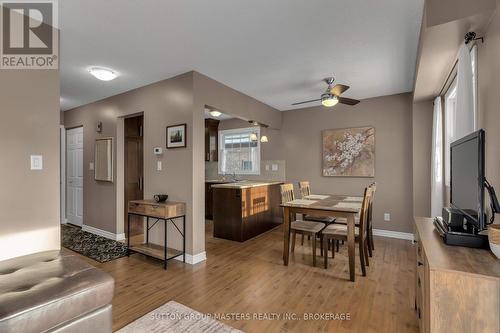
[(305, 190), (371, 246), (310, 228), (338, 232)]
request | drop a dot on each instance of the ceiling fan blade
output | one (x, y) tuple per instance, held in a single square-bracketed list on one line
[(312, 100), (348, 101), (338, 89)]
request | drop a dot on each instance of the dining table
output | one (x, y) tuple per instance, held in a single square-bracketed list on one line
[(324, 205)]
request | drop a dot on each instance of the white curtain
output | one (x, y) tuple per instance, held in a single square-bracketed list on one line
[(437, 160), (465, 116)]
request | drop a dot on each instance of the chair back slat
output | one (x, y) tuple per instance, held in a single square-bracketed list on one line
[(287, 194), (304, 188)]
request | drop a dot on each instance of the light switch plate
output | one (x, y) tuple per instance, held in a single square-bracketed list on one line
[(36, 162), (275, 167), (91, 166), (267, 167), (387, 217), (158, 166)]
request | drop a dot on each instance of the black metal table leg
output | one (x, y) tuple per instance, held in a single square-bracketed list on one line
[(128, 235), (147, 229), (165, 243), (184, 239)]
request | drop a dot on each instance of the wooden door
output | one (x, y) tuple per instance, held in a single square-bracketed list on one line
[(134, 171), (74, 176)]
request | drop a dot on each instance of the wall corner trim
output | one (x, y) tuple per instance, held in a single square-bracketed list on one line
[(393, 234), (103, 233), (194, 259)]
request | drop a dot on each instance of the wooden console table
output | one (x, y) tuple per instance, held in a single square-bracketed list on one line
[(457, 288), (161, 211)]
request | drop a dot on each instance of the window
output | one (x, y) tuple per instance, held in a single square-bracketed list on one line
[(473, 57), (238, 153), (450, 107)]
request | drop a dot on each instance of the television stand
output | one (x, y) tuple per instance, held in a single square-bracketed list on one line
[(459, 236)]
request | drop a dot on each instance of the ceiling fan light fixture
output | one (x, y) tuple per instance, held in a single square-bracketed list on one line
[(215, 113), (103, 74), (329, 100)]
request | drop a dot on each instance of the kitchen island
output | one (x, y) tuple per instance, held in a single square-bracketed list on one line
[(242, 210)]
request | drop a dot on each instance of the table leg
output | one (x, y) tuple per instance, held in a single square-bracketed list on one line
[(351, 245), (128, 235), (286, 235), (184, 239), (165, 243)]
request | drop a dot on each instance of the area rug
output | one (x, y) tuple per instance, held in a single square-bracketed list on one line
[(93, 246), (173, 317)]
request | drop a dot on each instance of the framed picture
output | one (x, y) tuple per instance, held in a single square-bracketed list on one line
[(176, 136), (349, 152)]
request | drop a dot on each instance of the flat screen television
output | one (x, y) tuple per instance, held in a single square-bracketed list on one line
[(467, 178)]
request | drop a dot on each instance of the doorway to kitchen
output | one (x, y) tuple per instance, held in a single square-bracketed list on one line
[(133, 169)]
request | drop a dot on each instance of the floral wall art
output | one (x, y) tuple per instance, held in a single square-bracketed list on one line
[(349, 152)]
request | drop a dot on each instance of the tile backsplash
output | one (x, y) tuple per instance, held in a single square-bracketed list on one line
[(269, 170)]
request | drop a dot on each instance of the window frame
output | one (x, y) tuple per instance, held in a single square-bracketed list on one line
[(254, 171)]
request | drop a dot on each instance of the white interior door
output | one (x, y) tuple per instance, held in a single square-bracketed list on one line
[(74, 176), (62, 179)]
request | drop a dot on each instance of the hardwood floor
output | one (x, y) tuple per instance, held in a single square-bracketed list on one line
[(250, 278)]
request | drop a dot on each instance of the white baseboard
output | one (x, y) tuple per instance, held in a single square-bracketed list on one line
[(194, 259), (103, 233), (393, 234), (64, 221)]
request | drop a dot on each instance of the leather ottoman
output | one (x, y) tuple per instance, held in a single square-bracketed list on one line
[(54, 292)]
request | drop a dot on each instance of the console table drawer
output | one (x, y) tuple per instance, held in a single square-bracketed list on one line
[(154, 209)]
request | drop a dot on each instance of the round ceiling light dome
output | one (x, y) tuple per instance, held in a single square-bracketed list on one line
[(215, 113), (103, 74), (329, 100)]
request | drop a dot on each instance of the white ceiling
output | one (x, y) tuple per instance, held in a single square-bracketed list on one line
[(275, 51)]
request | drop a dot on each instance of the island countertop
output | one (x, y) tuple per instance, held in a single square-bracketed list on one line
[(246, 184)]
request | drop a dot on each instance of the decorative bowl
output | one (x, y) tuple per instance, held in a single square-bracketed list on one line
[(494, 239)]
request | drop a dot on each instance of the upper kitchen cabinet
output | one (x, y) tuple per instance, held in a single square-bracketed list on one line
[(211, 140)]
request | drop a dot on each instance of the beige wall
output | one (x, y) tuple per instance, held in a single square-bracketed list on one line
[(164, 103), (489, 97), (392, 118), (212, 93), (422, 143), (177, 100), (270, 150), (271, 154), (443, 11), (29, 200)]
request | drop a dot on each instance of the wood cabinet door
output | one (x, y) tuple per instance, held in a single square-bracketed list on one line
[(134, 170)]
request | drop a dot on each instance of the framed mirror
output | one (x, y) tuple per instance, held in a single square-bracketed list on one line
[(103, 168)]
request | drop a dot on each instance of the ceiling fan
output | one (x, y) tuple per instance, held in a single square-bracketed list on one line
[(332, 95)]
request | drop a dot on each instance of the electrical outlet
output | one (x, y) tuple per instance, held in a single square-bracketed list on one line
[(267, 167), (275, 167), (387, 217)]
